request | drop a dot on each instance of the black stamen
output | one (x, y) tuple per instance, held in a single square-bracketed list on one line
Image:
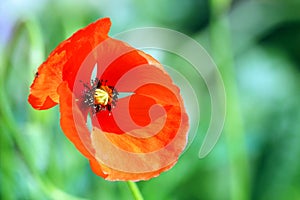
[(89, 92)]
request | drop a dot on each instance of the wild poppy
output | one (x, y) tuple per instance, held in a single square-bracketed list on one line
[(125, 137)]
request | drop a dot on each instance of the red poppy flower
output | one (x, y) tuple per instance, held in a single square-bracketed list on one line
[(125, 137)]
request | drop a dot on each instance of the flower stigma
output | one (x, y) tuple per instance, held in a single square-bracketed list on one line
[(99, 96)]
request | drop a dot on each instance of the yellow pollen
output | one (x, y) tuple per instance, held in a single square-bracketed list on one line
[(103, 95)]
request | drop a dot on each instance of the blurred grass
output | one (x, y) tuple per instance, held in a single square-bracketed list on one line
[(256, 45)]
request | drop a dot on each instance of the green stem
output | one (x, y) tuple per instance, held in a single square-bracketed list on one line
[(135, 190)]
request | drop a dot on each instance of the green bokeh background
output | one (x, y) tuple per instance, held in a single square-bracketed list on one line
[(256, 45)]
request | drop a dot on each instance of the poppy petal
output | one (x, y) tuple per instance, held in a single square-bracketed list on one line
[(63, 63), (118, 58), (78, 132), (140, 129), (81, 45), (120, 164), (156, 78), (43, 93), (159, 137), (114, 58), (118, 173), (121, 120)]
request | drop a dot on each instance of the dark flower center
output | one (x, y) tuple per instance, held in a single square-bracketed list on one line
[(99, 96)]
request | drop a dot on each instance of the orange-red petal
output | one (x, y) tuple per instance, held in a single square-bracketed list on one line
[(78, 132), (64, 62), (126, 165), (82, 44), (116, 58), (74, 127), (151, 126), (160, 90), (43, 93), (158, 126)]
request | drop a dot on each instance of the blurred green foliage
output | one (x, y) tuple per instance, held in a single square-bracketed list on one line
[(256, 45)]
